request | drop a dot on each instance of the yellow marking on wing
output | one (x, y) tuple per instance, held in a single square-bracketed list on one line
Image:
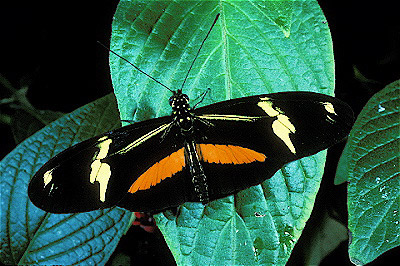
[(329, 107), (101, 172), (104, 146), (240, 118), (282, 126), (48, 176), (266, 105), (159, 171), (228, 154), (143, 138)]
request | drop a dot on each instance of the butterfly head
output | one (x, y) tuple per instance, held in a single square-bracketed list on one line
[(179, 101)]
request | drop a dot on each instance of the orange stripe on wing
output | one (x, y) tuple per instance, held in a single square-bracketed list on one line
[(161, 170), (228, 154)]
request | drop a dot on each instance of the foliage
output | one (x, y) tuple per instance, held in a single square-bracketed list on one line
[(370, 165)]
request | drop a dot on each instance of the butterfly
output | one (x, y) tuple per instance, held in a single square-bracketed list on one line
[(193, 155)]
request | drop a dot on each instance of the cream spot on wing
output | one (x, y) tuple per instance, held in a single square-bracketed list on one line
[(329, 107), (266, 105), (282, 126), (101, 172), (48, 176), (104, 146)]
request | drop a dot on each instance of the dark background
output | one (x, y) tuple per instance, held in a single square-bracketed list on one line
[(51, 47)]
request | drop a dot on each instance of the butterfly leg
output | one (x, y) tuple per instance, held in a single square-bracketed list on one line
[(168, 129), (204, 121), (202, 96), (128, 121)]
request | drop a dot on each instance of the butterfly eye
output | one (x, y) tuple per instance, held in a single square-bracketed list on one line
[(171, 100)]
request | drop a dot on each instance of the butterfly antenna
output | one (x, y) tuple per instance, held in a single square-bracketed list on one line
[(208, 33), (141, 71)]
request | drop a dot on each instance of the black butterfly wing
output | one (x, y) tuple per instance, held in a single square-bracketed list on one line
[(283, 127), (98, 172), (141, 167)]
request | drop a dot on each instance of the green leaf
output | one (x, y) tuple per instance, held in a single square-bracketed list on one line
[(370, 163), (24, 123), (256, 47), (32, 236), (325, 238)]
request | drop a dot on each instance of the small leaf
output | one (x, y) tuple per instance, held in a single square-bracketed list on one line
[(24, 124), (370, 163), (32, 236), (256, 47)]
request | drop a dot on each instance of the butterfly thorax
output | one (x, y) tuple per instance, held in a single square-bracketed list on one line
[(181, 112)]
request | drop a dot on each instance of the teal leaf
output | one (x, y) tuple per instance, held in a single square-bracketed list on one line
[(24, 123), (370, 164), (31, 236), (256, 47)]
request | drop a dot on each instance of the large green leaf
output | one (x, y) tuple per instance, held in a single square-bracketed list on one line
[(256, 47), (370, 163), (31, 236)]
